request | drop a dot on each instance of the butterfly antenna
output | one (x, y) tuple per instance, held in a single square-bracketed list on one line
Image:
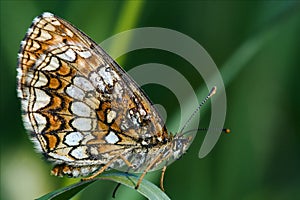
[(223, 130), (210, 94)]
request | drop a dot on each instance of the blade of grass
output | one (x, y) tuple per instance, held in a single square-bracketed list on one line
[(128, 18), (147, 189), (66, 192)]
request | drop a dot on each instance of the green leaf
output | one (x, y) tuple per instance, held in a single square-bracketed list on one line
[(67, 192), (147, 189)]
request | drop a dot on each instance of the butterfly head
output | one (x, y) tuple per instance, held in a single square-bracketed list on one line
[(179, 145), (181, 141)]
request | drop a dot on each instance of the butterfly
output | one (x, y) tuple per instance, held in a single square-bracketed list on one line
[(83, 112)]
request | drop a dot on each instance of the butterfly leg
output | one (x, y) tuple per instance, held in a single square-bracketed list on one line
[(126, 161), (130, 166), (102, 169), (157, 159), (163, 173), (162, 178)]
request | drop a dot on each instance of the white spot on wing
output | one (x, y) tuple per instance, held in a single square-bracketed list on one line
[(79, 152), (53, 65), (142, 112), (69, 55), (44, 35), (111, 115), (84, 171), (84, 54), (42, 80), (40, 60), (60, 156), (42, 100), (97, 82), (49, 27), (31, 77), (111, 138), (83, 83), (75, 92), (35, 45), (41, 120), (75, 173), (108, 76), (82, 124), (73, 138), (81, 109)]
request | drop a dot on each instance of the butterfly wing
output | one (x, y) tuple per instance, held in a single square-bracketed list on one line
[(78, 104)]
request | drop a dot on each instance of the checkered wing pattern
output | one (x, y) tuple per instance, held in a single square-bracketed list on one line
[(78, 104)]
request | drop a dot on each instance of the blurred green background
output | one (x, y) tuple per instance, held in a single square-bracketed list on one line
[(256, 46)]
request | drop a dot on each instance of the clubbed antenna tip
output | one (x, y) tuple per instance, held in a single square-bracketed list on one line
[(226, 130), (212, 91)]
